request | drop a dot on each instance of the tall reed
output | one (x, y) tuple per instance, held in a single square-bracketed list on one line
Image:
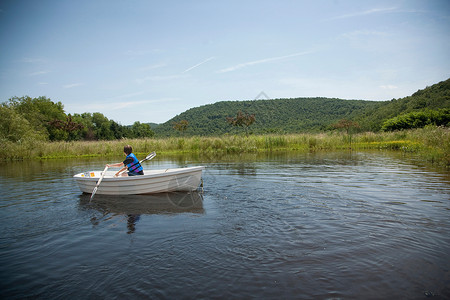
[(431, 143)]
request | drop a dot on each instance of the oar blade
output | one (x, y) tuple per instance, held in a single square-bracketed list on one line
[(93, 193), (150, 156)]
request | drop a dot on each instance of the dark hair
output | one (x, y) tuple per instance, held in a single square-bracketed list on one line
[(127, 149)]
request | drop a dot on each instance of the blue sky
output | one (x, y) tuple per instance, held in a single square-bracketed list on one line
[(149, 61)]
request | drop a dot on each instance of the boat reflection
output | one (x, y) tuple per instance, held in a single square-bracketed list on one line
[(163, 203), (133, 206)]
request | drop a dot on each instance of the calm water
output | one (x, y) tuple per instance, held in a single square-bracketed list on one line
[(287, 226)]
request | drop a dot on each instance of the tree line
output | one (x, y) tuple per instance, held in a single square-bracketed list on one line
[(40, 118), (277, 116), (27, 118), (294, 115)]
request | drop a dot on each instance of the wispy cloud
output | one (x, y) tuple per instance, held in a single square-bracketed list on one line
[(72, 85), (197, 65), (364, 13), (39, 73), (261, 61), (130, 95), (118, 105), (359, 33), (142, 52), (152, 67), (159, 78), (30, 60), (168, 77), (388, 87), (122, 105)]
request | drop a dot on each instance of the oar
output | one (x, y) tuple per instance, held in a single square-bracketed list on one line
[(148, 157), (98, 183)]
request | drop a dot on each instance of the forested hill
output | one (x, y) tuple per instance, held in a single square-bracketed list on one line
[(272, 116), (434, 97), (304, 114)]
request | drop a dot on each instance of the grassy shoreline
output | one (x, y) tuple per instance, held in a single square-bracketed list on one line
[(431, 144)]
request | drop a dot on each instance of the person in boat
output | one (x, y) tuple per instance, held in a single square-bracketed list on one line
[(131, 163)]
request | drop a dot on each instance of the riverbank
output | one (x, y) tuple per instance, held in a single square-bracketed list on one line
[(431, 144)]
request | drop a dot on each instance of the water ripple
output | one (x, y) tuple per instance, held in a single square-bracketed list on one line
[(324, 226)]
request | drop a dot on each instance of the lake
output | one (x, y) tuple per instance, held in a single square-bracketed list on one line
[(364, 225)]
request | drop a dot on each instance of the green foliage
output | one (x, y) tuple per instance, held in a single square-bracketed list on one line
[(140, 130), (431, 144), (297, 115), (271, 116), (15, 128), (434, 97), (40, 119), (418, 119), (40, 112)]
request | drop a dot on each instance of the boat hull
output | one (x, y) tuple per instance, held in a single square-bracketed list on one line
[(153, 181)]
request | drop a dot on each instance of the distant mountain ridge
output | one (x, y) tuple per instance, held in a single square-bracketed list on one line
[(304, 114)]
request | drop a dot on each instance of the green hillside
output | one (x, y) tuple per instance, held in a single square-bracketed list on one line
[(434, 97), (272, 116), (304, 114)]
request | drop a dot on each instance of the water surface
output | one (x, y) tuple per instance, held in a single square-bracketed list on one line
[(293, 226)]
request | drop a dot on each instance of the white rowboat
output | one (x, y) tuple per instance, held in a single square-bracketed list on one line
[(153, 181)]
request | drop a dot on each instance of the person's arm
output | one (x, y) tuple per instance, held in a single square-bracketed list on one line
[(123, 169), (115, 165), (121, 164)]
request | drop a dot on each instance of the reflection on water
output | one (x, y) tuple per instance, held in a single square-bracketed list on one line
[(163, 203), (365, 225), (133, 206)]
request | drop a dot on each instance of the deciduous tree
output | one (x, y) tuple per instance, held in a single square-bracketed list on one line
[(346, 124), (242, 120), (181, 126), (141, 130)]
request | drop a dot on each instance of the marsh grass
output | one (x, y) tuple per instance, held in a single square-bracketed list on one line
[(430, 143)]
